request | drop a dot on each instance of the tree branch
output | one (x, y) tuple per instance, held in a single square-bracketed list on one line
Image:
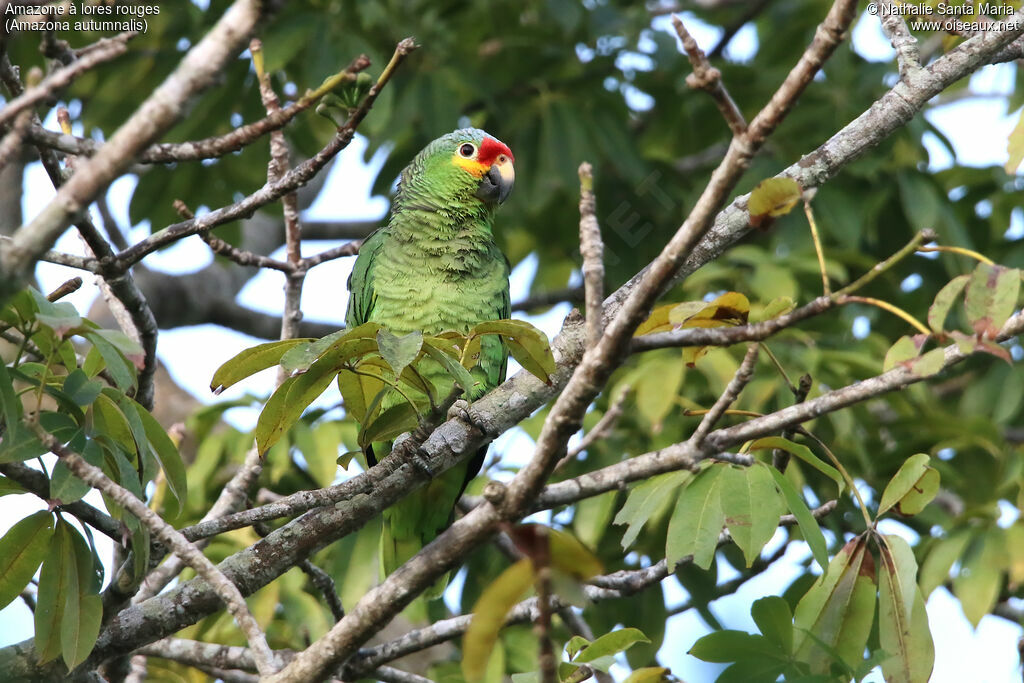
[(157, 114), (106, 49), (169, 536)]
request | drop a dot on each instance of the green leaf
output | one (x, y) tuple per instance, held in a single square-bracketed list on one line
[(646, 499), (250, 361), (902, 351), (941, 556), (730, 645), (299, 357), (489, 616), (528, 345), (977, 584), (752, 507), (930, 363), (806, 521), (80, 389), (902, 620), (287, 404), (991, 297), (399, 351), (358, 389), (697, 519), (438, 350), (22, 550), (52, 595), (167, 453), (912, 487), (775, 621), (122, 372), (804, 453), (396, 420), (611, 644), (838, 610), (944, 300), (83, 611)]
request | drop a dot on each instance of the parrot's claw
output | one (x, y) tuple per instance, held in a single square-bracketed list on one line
[(459, 410), (420, 463)]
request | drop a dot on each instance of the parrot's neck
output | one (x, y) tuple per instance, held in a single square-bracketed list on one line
[(437, 229)]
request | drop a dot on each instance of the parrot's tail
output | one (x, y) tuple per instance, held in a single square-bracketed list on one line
[(396, 551)]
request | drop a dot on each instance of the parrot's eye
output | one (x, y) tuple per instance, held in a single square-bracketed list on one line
[(467, 150), (502, 159)]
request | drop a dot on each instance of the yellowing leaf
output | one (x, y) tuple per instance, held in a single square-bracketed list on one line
[(570, 556), (489, 616), (773, 197)]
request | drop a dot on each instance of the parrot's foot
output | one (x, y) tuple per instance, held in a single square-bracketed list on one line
[(459, 410)]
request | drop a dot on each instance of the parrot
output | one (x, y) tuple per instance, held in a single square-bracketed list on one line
[(435, 267)]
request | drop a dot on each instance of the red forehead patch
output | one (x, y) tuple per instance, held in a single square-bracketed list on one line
[(491, 149)]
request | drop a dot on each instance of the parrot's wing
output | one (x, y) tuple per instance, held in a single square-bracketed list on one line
[(360, 281)]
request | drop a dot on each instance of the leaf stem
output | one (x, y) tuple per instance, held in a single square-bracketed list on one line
[(886, 306), (818, 250)]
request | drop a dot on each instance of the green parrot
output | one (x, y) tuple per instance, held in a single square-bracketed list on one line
[(436, 267)]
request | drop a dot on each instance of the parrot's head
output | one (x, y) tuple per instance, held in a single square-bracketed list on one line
[(465, 168)]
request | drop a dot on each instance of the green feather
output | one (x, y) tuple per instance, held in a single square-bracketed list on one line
[(434, 267)]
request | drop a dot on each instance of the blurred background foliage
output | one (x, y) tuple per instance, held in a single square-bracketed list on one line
[(562, 81)]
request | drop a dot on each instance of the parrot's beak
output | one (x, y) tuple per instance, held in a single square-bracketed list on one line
[(496, 184)]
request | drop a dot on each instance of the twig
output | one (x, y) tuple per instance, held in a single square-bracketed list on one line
[(37, 483), (347, 249), (780, 457), (571, 294), (908, 57), (11, 143), (744, 373), (709, 79), (298, 176), (106, 49), (118, 288), (196, 150), (592, 251), (276, 170), (241, 256), (170, 537), (603, 427), (753, 9), (158, 113), (325, 584)]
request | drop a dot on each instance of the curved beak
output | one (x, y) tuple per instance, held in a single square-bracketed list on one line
[(496, 184)]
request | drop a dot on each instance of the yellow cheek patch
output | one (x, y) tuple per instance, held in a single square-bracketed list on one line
[(474, 168)]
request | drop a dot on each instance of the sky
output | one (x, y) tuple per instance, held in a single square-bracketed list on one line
[(987, 654)]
